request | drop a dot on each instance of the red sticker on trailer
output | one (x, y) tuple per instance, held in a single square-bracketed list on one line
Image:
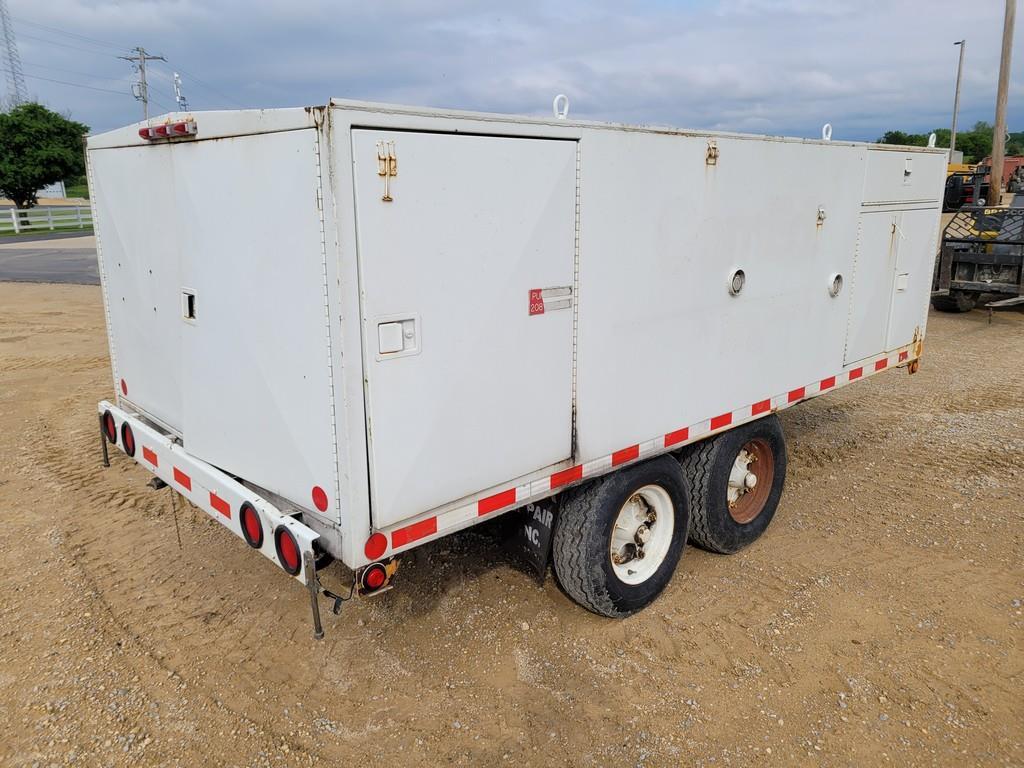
[(536, 301), (220, 505)]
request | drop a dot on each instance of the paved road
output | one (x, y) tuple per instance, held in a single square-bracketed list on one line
[(49, 265)]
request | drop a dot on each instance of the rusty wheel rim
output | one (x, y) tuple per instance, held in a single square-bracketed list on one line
[(745, 502)]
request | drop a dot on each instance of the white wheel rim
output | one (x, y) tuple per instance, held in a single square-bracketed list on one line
[(642, 534), (741, 479)]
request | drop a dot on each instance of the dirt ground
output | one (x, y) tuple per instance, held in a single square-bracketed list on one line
[(879, 620)]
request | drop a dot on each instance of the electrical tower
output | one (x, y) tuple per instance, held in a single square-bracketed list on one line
[(178, 95), (140, 90), (18, 93)]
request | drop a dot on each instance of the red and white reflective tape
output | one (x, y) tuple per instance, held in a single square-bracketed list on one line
[(217, 494), (403, 537)]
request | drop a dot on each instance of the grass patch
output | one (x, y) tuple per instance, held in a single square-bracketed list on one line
[(77, 190), (10, 234)]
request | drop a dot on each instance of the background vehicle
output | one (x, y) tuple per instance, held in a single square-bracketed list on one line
[(982, 253), (456, 315)]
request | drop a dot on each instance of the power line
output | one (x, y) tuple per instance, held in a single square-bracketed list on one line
[(74, 72), (68, 45), (211, 88), (75, 85), (104, 43)]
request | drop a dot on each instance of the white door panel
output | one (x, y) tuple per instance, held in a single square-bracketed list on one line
[(917, 234), (452, 351), (871, 292)]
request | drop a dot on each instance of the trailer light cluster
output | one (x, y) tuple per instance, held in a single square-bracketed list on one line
[(374, 577), (288, 552), (128, 439), (109, 427), (176, 130), (375, 546), (252, 528)]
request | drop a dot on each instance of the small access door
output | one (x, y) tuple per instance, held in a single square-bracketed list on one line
[(891, 281), (466, 253)]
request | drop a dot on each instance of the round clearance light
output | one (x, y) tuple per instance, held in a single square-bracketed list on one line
[(374, 577), (287, 551), (319, 498), (252, 528), (375, 546), (127, 439), (736, 282), (835, 285), (110, 427)]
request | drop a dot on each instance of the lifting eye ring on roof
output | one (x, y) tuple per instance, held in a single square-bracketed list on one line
[(560, 106)]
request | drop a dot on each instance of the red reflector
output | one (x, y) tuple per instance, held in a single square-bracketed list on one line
[(150, 456), (374, 577), (252, 528), (827, 383), (626, 454), (220, 505), (124, 387), (570, 475), (679, 436), (762, 407), (319, 498), (109, 427), (879, 365), (376, 546), (127, 439), (182, 479), (287, 551), (856, 373), (414, 532), (795, 394), (497, 501), (721, 421)]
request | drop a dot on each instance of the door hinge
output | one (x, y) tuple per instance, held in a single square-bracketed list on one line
[(387, 166)]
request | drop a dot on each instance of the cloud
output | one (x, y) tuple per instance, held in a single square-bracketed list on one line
[(770, 66)]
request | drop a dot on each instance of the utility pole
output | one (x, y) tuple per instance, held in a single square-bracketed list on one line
[(995, 176), (140, 90), (15, 74), (956, 98), (178, 95)]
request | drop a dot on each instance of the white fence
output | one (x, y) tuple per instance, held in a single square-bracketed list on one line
[(44, 217)]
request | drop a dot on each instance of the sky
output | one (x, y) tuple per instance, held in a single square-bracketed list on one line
[(757, 66)]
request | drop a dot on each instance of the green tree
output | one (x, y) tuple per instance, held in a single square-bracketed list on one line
[(976, 144), (37, 147)]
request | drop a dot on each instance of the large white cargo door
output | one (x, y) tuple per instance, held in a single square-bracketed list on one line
[(467, 274)]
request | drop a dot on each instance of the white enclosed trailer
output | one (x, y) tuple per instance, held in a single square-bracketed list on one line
[(352, 329)]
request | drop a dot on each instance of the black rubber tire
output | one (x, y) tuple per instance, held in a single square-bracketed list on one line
[(956, 301), (580, 549), (706, 467)]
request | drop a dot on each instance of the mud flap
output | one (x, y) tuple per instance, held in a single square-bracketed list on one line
[(529, 534)]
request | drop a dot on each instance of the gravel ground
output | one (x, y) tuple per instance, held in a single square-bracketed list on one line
[(878, 621)]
